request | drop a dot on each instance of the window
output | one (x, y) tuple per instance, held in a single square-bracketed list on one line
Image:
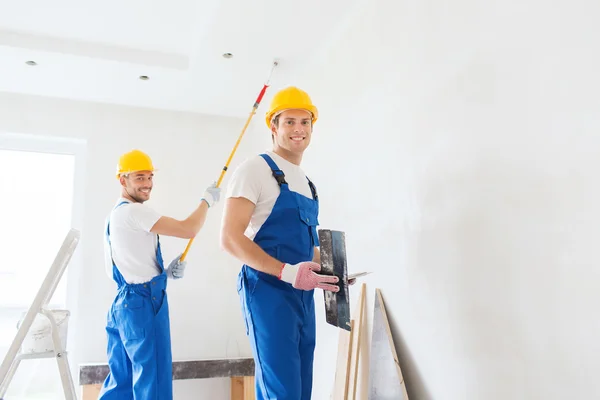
[(37, 195), (39, 204)]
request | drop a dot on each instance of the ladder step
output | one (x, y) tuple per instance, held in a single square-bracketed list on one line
[(31, 356)]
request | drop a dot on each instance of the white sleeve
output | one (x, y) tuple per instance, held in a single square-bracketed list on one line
[(142, 217), (245, 182)]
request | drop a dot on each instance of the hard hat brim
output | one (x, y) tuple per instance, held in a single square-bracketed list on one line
[(120, 173), (272, 114)]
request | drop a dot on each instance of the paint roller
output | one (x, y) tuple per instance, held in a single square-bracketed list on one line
[(237, 143)]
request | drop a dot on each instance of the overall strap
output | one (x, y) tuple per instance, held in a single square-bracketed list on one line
[(313, 189), (159, 257), (116, 274), (277, 173), (108, 222)]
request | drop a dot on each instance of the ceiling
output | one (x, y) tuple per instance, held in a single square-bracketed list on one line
[(96, 51)]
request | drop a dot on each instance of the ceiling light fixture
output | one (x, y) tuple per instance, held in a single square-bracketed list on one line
[(32, 63), (144, 77), (227, 55)]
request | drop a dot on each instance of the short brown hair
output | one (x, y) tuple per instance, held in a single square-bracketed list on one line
[(275, 121)]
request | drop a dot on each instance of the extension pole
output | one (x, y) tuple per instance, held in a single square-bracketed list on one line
[(237, 143)]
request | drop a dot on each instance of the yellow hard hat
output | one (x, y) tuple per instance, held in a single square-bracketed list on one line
[(291, 98), (134, 160)]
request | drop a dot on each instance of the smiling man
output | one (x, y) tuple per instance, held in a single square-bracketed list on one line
[(270, 224), (138, 324)]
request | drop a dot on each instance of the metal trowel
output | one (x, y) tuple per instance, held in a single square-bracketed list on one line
[(357, 275), (333, 262)]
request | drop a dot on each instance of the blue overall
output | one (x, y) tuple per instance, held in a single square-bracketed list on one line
[(139, 339), (280, 320)]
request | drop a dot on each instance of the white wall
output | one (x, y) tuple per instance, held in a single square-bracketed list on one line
[(458, 149), (205, 312)]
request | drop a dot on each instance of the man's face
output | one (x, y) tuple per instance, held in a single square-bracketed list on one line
[(138, 185), (293, 130)]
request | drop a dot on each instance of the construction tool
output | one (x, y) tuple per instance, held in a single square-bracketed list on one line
[(357, 275), (333, 262), (237, 143)]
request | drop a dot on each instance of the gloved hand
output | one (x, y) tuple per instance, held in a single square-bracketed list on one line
[(212, 194), (302, 276), (176, 268)]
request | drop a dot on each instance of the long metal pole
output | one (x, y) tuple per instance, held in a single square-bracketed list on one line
[(237, 143)]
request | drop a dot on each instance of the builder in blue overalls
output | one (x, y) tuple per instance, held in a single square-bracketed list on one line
[(138, 326), (270, 224)]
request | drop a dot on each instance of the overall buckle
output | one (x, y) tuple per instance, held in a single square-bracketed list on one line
[(280, 177)]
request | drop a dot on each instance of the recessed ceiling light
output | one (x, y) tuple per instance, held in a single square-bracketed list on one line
[(144, 77), (30, 63), (227, 55)]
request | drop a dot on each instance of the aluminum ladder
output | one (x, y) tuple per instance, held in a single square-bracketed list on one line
[(39, 306)]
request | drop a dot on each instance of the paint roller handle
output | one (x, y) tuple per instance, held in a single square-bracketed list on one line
[(241, 135), (303, 276), (239, 139), (211, 196)]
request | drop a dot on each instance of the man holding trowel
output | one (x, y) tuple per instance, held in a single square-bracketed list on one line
[(270, 224), (138, 326)]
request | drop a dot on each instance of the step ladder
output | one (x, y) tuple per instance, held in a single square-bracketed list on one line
[(14, 356)]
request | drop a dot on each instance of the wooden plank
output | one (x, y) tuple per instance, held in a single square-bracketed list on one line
[(356, 336), (203, 369), (91, 392), (342, 369), (237, 388), (90, 374), (242, 388), (249, 389), (385, 376)]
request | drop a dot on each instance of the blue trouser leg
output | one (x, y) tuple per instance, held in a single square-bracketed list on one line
[(307, 344), (118, 383), (142, 321), (275, 315)]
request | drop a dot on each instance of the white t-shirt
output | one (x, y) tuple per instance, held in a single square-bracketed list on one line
[(133, 245), (254, 180)]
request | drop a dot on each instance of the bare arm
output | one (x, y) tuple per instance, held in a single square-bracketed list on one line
[(236, 217), (185, 229)]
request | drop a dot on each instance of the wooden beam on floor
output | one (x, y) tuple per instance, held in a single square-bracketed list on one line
[(90, 374)]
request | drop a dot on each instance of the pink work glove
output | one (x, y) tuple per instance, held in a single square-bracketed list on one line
[(303, 277)]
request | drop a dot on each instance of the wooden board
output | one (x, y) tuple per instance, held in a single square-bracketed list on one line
[(357, 324), (349, 346), (91, 392), (342, 369), (242, 388), (385, 377)]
